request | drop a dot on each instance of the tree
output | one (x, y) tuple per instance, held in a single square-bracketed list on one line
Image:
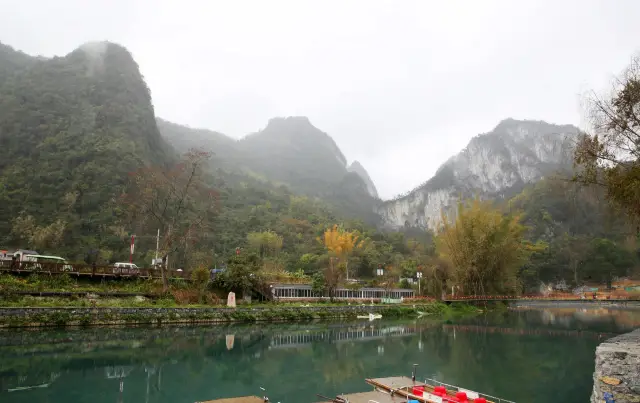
[(266, 243), (390, 278), (200, 279), (341, 243), (175, 200), (610, 156), (484, 248), (40, 237), (318, 284), (435, 274), (333, 274), (241, 274), (607, 260)]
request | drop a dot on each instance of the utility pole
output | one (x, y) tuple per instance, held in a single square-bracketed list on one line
[(168, 239), (133, 237), (155, 262)]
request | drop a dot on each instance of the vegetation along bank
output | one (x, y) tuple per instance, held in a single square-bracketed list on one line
[(78, 316)]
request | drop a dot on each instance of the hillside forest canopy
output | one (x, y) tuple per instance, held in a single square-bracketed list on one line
[(89, 168)]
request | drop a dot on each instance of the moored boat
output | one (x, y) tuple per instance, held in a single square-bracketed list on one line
[(430, 391)]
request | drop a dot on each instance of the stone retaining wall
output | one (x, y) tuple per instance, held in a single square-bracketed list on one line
[(618, 369), (19, 317)]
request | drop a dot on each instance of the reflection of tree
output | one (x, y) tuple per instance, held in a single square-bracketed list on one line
[(193, 364)]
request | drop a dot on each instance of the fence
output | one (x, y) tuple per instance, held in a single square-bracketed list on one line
[(76, 269)]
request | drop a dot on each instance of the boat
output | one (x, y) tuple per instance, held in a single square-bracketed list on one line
[(404, 389), (371, 316), (430, 391), (396, 389)]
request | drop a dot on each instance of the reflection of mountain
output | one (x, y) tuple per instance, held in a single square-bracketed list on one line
[(623, 318), (524, 331), (334, 336), (173, 364)]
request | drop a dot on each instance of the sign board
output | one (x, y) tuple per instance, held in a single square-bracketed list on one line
[(391, 301), (470, 394), (231, 300), (432, 398)]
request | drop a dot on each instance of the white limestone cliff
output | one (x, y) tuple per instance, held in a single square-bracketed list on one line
[(492, 165)]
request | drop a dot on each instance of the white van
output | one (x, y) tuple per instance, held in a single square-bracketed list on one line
[(126, 268), (42, 262)]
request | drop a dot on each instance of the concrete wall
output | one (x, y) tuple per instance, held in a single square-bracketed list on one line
[(618, 369), (17, 317)]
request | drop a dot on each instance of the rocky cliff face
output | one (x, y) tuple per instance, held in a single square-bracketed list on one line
[(357, 168), (492, 165), (617, 371)]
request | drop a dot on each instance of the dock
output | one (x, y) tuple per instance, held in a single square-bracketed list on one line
[(245, 399), (394, 382), (396, 389), (367, 397)]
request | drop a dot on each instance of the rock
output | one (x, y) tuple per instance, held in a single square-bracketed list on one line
[(610, 381), (617, 369), (139, 298)]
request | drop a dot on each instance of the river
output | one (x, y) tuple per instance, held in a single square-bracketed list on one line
[(524, 355)]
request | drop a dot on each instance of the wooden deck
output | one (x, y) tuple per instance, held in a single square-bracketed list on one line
[(394, 382), (245, 399), (374, 396), (403, 385)]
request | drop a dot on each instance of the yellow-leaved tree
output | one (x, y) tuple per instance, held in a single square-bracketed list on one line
[(484, 249), (340, 244)]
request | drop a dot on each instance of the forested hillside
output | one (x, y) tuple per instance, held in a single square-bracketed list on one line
[(71, 129), (587, 239), (290, 152), (74, 129), (85, 165)]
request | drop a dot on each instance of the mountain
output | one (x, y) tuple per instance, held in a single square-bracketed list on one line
[(289, 151), (183, 138), (497, 164), (71, 130), (357, 168)]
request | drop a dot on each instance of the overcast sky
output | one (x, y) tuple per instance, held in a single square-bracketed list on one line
[(400, 85)]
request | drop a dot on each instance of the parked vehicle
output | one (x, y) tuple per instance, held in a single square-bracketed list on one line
[(124, 268), (46, 263)]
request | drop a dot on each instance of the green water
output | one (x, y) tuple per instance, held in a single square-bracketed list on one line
[(525, 356)]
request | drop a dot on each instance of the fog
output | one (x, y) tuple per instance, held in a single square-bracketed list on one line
[(400, 85)]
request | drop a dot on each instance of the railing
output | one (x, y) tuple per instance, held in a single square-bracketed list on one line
[(87, 270), (553, 297), (488, 397)]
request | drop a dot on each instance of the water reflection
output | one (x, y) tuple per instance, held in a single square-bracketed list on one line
[(508, 355)]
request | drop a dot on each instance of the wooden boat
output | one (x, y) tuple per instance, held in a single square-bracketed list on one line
[(245, 399), (430, 391)]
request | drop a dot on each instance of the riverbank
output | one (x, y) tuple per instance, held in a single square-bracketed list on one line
[(617, 369), (587, 303), (73, 316)]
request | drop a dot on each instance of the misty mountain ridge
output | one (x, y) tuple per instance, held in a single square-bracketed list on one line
[(74, 127), (70, 117), (289, 150), (493, 165)]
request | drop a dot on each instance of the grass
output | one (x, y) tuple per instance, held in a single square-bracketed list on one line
[(183, 296), (64, 282)]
